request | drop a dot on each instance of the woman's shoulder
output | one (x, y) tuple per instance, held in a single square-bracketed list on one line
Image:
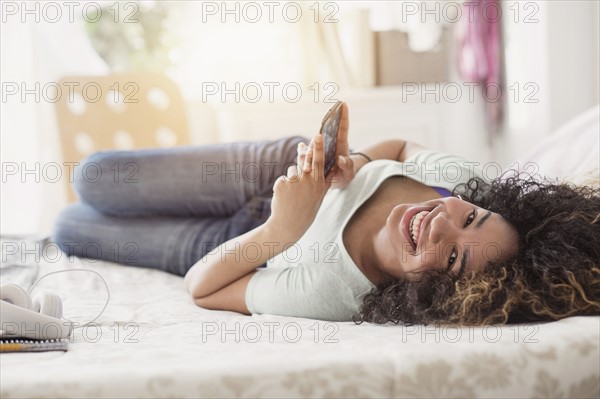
[(450, 168), (430, 167)]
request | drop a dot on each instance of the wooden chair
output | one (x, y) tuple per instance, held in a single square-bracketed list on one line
[(118, 111)]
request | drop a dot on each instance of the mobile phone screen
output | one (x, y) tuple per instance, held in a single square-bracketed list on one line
[(329, 129)]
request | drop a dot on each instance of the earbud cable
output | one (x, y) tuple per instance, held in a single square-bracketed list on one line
[(78, 270)]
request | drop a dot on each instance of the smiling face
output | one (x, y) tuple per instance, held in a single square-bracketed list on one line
[(447, 234)]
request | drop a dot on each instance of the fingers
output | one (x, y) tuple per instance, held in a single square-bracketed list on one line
[(293, 172), (278, 183), (301, 151), (344, 169), (342, 147), (343, 165), (308, 160), (346, 164), (318, 157)]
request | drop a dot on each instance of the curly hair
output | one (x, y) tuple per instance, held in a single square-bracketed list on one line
[(555, 273)]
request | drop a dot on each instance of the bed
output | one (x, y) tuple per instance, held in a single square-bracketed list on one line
[(152, 341)]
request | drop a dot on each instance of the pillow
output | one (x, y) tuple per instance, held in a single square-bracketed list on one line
[(572, 153)]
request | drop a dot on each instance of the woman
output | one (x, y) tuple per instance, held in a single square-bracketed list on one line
[(380, 239)]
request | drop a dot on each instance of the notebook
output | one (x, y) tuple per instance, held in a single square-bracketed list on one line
[(32, 345)]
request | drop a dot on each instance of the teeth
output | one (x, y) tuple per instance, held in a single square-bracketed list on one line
[(415, 225)]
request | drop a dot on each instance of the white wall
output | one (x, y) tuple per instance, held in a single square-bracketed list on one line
[(375, 115), (34, 53), (572, 58), (560, 54), (18, 126)]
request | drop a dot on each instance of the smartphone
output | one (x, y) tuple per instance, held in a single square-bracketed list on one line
[(329, 130)]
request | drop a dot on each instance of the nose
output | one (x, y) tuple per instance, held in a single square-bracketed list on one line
[(441, 228)]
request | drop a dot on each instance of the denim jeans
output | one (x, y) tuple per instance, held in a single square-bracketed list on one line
[(166, 208)]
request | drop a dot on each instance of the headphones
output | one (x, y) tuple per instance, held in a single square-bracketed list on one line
[(40, 317)]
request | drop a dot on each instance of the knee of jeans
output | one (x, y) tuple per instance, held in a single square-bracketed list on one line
[(91, 174), (298, 139), (292, 150)]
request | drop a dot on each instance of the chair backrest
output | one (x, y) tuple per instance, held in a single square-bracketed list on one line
[(119, 111)]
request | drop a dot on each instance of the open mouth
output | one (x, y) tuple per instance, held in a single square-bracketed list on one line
[(413, 222), (416, 227)]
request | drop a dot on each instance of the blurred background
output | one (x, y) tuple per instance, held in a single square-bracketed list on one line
[(484, 79)]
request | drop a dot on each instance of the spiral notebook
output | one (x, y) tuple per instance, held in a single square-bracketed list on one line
[(32, 345)]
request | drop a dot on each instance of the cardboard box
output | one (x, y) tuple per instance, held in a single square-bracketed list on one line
[(396, 63)]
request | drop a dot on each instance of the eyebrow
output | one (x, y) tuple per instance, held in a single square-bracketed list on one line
[(483, 219)]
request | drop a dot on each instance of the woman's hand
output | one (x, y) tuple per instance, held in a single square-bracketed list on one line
[(343, 170), (297, 196)]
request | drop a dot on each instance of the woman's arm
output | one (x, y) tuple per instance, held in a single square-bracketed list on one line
[(296, 201), (397, 150), (234, 259)]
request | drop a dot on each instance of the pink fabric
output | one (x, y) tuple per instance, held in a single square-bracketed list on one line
[(479, 54)]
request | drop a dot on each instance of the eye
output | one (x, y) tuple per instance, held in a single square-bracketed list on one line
[(452, 259), (471, 217)]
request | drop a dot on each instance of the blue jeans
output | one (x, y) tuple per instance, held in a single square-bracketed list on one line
[(166, 208)]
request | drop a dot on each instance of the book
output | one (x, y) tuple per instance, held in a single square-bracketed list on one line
[(32, 345)]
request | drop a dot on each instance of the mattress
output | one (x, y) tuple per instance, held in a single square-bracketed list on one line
[(152, 341)]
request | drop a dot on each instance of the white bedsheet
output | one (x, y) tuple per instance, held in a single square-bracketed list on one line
[(152, 341)]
